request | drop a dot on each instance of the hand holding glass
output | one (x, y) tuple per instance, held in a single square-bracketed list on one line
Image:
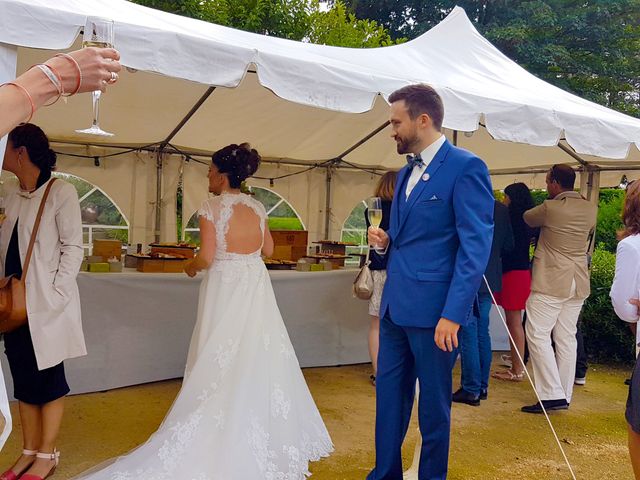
[(374, 211), (98, 32)]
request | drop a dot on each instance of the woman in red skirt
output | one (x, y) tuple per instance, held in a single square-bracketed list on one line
[(516, 276)]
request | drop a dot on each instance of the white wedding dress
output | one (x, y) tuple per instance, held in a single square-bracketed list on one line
[(244, 411)]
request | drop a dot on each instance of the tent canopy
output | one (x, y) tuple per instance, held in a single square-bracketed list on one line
[(197, 86), (305, 102)]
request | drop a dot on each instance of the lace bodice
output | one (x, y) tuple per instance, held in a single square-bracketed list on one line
[(220, 211)]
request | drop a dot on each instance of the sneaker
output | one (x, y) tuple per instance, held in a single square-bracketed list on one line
[(484, 394), (580, 380), (549, 406)]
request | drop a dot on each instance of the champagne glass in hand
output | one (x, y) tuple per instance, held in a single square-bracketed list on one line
[(98, 32), (374, 211)]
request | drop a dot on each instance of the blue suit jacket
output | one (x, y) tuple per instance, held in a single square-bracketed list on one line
[(440, 241)]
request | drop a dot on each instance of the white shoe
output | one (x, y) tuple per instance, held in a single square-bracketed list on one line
[(580, 381)]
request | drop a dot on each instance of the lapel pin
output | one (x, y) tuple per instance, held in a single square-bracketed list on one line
[(425, 177)]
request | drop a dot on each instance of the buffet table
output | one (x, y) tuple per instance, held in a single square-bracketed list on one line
[(138, 325)]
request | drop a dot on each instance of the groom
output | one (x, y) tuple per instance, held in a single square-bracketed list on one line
[(438, 246)]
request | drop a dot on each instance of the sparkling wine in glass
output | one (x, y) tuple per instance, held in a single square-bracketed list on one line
[(98, 32), (374, 211)]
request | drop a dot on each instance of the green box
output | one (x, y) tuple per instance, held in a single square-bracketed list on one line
[(99, 267)]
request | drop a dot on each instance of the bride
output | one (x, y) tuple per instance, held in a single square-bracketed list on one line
[(244, 411)]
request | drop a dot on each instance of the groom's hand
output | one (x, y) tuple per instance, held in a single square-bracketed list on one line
[(446, 336)]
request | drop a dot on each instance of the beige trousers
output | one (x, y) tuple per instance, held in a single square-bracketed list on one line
[(556, 318)]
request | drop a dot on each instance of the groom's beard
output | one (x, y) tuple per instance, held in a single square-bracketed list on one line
[(405, 144)]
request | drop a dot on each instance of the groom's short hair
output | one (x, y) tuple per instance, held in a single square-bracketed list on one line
[(419, 99)]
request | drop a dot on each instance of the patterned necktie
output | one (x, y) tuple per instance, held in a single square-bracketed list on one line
[(415, 161)]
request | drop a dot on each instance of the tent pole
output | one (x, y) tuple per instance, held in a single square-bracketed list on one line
[(158, 195), (364, 140), (190, 114), (572, 154), (590, 183), (161, 149), (590, 189), (327, 207)]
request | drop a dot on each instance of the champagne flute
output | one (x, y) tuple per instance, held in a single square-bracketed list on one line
[(374, 211), (98, 32)]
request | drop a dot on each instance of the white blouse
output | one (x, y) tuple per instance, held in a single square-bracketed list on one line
[(626, 283)]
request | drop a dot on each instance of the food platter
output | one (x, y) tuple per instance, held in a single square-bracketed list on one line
[(273, 264)]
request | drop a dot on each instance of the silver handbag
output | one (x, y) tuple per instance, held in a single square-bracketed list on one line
[(363, 284)]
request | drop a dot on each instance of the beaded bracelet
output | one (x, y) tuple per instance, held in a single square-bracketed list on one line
[(77, 65), (24, 90)]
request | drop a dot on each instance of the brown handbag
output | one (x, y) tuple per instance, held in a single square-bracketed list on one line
[(13, 297)]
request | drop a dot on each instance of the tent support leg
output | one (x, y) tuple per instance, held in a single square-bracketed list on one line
[(163, 145), (590, 184), (158, 196), (327, 207), (590, 189)]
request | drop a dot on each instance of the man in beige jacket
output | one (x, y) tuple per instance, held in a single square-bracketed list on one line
[(560, 285)]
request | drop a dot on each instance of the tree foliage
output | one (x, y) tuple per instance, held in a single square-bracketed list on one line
[(303, 20), (588, 47)]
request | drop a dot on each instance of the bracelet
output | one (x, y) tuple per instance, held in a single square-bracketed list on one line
[(24, 90), (55, 78), (77, 65)]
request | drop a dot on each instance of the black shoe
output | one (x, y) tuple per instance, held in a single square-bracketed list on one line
[(484, 394), (462, 396), (627, 381), (549, 406)]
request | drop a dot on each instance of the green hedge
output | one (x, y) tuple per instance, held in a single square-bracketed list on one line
[(609, 218), (607, 338)]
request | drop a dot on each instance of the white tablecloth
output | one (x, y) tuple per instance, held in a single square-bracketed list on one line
[(138, 325)]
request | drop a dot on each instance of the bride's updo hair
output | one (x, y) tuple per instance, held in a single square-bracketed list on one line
[(237, 162)]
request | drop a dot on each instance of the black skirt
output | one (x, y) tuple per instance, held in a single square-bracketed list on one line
[(633, 400), (31, 385)]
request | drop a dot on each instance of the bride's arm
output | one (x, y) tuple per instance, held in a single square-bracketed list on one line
[(207, 249), (267, 246)]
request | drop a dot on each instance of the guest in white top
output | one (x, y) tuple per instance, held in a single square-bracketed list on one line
[(625, 292), (54, 331)]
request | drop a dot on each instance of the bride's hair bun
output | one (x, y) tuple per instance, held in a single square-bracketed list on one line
[(238, 162)]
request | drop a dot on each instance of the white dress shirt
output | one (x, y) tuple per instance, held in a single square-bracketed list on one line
[(427, 156), (626, 283)]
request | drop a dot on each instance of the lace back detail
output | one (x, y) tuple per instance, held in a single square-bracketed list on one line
[(219, 211)]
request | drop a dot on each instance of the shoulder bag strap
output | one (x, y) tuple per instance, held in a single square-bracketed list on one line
[(34, 233)]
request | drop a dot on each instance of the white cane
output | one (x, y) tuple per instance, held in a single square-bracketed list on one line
[(412, 473)]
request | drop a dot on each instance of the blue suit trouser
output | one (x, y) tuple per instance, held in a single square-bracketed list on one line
[(407, 353)]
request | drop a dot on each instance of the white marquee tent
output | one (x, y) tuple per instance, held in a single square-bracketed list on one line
[(192, 87)]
